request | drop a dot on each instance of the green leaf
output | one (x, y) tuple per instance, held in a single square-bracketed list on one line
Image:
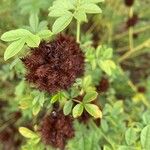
[(91, 8), (45, 34), (146, 117), (77, 110), (54, 98), (104, 125), (27, 133), (93, 110), (14, 63), (33, 40), (42, 99), (25, 103), (36, 109), (91, 96), (68, 107), (108, 53), (57, 12), (107, 66), (95, 1), (93, 64), (14, 48), (34, 22), (123, 147), (80, 15), (42, 25), (62, 22), (14, 35), (145, 137), (74, 92), (99, 51), (87, 81), (130, 136), (107, 148), (20, 88), (65, 5)]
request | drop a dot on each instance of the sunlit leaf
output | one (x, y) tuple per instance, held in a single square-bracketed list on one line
[(62, 22), (77, 110), (68, 107), (27, 133), (14, 35), (91, 8), (130, 136), (93, 110), (43, 34), (90, 96), (14, 48), (145, 137)]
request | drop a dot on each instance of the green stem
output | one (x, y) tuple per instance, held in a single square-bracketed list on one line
[(110, 33), (133, 87), (145, 102), (78, 25), (131, 45), (129, 53), (136, 31), (103, 134), (78, 32), (76, 101)]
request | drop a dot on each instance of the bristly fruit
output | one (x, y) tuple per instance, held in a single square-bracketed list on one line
[(132, 21), (56, 129), (55, 65), (129, 3), (141, 89), (103, 85)]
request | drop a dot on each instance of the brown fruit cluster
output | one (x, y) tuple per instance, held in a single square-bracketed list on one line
[(8, 138), (129, 3), (103, 85), (141, 89), (55, 65), (132, 21), (56, 129)]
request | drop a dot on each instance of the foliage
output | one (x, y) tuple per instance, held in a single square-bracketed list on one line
[(117, 119)]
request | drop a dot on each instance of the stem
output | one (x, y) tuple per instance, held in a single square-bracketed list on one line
[(136, 31), (76, 101), (131, 45), (133, 87), (78, 25), (146, 103), (103, 134), (78, 32), (129, 53), (110, 33)]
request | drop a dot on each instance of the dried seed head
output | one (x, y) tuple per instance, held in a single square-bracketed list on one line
[(56, 129), (4, 136), (55, 65), (103, 85), (141, 89), (129, 3), (132, 21)]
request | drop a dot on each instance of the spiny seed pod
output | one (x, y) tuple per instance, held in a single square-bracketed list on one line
[(129, 3), (56, 129), (17, 115), (4, 136), (103, 85), (132, 21), (141, 89), (55, 65)]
